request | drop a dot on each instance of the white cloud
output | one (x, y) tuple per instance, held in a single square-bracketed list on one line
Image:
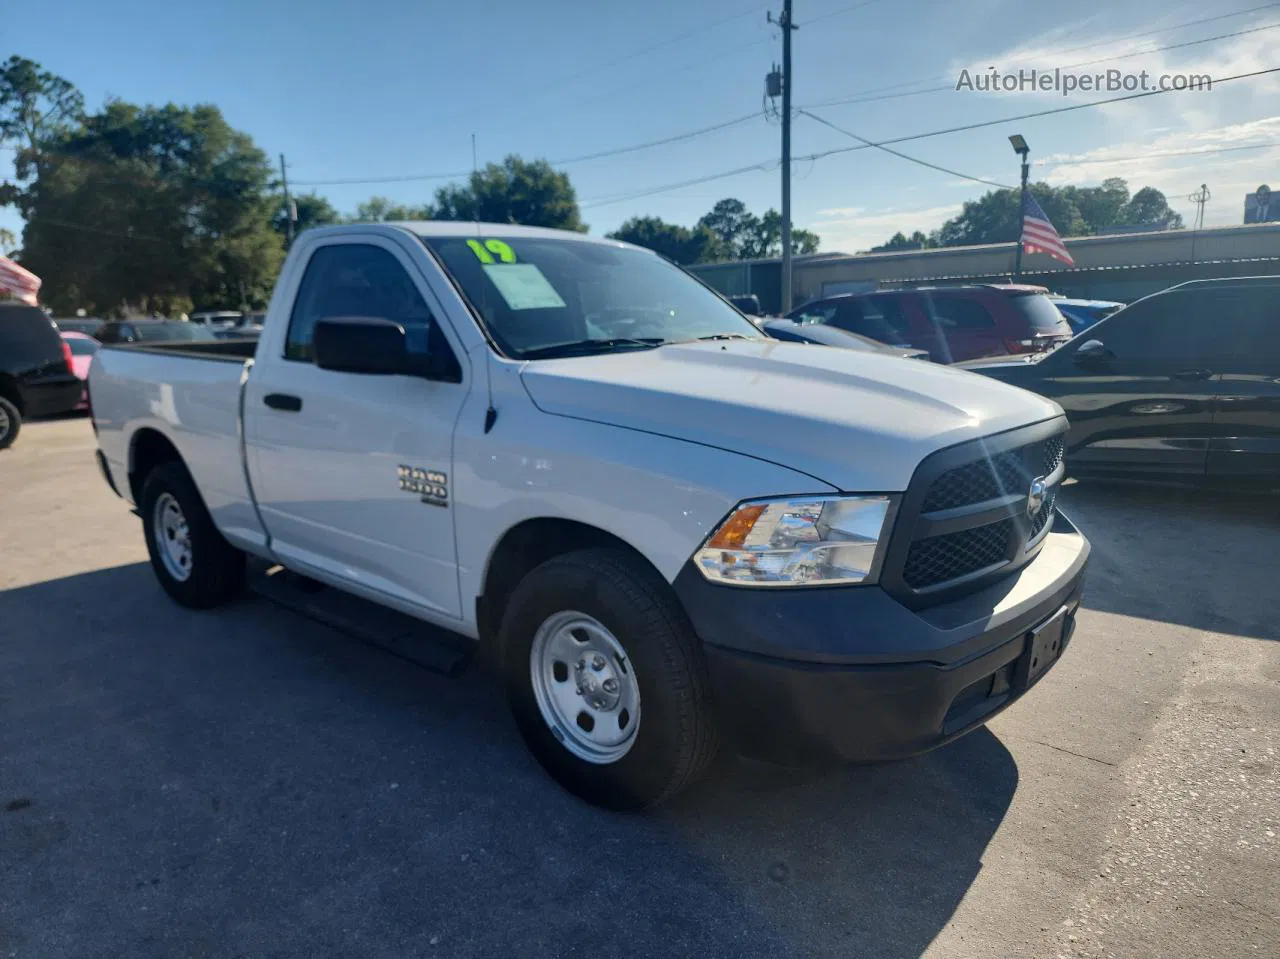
[(1235, 55), (1229, 175), (850, 229)]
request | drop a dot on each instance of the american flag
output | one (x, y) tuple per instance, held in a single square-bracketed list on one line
[(23, 284), (1038, 234)]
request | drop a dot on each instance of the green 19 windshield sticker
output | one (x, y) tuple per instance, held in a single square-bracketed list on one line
[(486, 251), (522, 285)]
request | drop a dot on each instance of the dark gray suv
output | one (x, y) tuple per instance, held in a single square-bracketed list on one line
[(36, 375)]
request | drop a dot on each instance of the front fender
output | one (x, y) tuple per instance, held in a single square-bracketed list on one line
[(659, 495)]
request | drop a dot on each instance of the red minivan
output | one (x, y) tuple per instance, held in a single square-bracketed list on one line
[(953, 323)]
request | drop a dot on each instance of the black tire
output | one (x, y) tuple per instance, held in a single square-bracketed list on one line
[(13, 419), (676, 737), (217, 568)]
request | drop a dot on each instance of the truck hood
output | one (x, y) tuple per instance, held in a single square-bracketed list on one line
[(856, 421)]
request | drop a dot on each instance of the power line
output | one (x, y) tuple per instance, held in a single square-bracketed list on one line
[(835, 13), (768, 164), (46, 221), (1050, 161), (754, 115), (1037, 114), (763, 166), (635, 147), (875, 94), (904, 156)]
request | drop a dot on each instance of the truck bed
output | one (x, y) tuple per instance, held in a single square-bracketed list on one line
[(236, 351), (187, 394)]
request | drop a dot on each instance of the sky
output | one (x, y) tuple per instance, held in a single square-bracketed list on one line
[(396, 89)]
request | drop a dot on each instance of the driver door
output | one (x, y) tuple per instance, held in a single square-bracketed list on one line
[(352, 471), (1144, 401)]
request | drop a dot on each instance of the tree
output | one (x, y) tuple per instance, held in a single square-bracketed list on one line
[(734, 227), (313, 210), (380, 209), (1102, 207), (899, 241), (1150, 208), (7, 241), (1074, 211), (35, 107), (529, 192), (741, 235), (153, 209), (765, 239), (677, 243), (994, 217)]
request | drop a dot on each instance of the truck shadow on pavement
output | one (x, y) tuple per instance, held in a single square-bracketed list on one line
[(247, 782), (1202, 559)]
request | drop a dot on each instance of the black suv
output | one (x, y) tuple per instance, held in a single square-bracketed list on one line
[(36, 376), (1183, 385)]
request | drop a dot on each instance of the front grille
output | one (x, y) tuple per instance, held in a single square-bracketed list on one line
[(966, 513), (942, 558), (1054, 447), (986, 479)]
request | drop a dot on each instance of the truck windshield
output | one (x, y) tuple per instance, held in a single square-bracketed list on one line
[(541, 297)]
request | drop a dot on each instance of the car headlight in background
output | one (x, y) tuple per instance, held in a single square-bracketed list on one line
[(801, 541)]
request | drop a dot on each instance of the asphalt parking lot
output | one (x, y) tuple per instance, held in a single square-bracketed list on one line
[(249, 783)]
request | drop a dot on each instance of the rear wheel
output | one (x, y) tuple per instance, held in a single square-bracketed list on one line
[(194, 564), (10, 423), (606, 679)]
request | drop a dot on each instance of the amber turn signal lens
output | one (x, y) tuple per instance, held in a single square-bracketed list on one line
[(736, 528)]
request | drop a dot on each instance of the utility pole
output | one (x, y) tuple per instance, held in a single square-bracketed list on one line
[(1199, 198), (290, 213), (787, 26), (1020, 147)]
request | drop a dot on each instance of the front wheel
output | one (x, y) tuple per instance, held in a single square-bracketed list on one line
[(606, 680), (194, 564)]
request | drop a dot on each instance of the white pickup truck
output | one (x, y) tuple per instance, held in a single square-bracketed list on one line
[(666, 530)]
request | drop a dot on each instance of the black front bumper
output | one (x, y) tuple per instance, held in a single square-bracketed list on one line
[(804, 675)]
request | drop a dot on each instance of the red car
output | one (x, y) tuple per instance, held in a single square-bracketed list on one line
[(82, 349), (953, 323)]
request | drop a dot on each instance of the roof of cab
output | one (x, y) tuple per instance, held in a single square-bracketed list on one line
[(432, 228)]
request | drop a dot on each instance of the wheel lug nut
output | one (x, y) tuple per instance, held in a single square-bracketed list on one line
[(597, 663), (610, 685)]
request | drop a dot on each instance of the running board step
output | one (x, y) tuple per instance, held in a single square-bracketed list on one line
[(428, 646)]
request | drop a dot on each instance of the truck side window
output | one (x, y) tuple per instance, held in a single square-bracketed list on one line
[(355, 279)]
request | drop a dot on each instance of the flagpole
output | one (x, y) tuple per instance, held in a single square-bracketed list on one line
[(1020, 147)]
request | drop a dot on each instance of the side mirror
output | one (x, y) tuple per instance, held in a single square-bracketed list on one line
[(365, 344), (1093, 351)]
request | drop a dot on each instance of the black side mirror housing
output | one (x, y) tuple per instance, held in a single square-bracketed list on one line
[(379, 347), (361, 344), (1092, 351)]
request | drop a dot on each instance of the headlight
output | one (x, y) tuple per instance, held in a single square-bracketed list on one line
[(807, 541)]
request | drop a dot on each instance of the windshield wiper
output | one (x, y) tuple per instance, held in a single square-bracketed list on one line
[(721, 336), (587, 347)]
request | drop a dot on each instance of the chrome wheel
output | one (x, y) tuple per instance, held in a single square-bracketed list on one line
[(5, 423), (172, 536), (585, 687)]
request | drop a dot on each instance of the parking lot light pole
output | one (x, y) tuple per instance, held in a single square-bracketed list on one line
[(1020, 147)]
